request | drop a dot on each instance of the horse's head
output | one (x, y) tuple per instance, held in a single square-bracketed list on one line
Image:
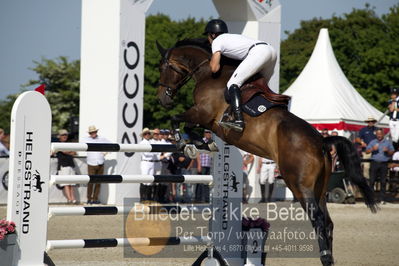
[(172, 75), (175, 71)]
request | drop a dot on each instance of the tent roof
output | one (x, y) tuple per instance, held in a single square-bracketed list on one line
[(322, 95)]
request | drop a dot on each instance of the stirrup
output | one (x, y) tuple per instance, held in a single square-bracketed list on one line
[(213, 147), (237, 126)]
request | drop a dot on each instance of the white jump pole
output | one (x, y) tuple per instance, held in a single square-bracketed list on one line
[(112, 147), (85, 179), (116, 210), (125, 242)]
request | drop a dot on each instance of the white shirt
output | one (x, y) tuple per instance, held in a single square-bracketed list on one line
[(234, 46), (395, 157), (94, 157), (157, 155), (166, 154), (147, 156)]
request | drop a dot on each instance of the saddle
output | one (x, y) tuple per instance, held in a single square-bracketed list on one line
[(257, 97)]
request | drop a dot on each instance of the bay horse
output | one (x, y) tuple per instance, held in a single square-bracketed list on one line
[(299, 150)]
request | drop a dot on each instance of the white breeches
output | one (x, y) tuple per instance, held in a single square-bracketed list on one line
[(147, 168), (261, 58), (394, 130), (267, 174)]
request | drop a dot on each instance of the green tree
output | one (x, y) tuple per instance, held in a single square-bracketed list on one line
[(62, 79), (5, 114), (365, 45)]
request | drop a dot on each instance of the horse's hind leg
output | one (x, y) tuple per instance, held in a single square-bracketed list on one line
[(328, 223), (318, 219)]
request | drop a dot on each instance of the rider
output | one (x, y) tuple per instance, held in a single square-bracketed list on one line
[(256, 56)]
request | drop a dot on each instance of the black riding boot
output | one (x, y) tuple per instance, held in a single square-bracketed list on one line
[(235, 100)]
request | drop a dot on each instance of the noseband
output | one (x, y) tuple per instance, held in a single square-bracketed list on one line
[(186, 75)]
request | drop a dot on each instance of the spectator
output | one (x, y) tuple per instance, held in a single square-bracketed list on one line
[(95, 164), (156, 139), (3, 149), (324, 133), (381, 151), (394, 174), (164, 135), (164, 139), (266, 170), (180, 164), (147, 166), (204, 163), (158, 190), (334, 133), (190, 188), (395, 165), (66, 166), (357, 142), (247, 163), (393, 108), (366, 135), (165, 188)]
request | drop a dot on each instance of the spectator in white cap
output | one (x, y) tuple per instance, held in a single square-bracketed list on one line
[(95, 164), (367, 134), (147, 166)]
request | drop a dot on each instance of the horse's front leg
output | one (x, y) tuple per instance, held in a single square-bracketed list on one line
[(192, 119), (176, 120)]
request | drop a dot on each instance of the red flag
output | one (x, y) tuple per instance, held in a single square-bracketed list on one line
[(41, 89)]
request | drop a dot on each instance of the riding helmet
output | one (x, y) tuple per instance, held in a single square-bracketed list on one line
[(216, 26), (395, 91)]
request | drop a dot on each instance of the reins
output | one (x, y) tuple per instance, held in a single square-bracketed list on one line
[(169, 90)]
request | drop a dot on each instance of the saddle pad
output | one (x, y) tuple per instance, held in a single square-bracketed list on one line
[(257, 105)]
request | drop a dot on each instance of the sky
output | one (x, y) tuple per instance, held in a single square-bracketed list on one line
[(32, 30)]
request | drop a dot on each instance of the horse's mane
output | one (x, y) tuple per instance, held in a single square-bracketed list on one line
[(198, 42), (205, 45)]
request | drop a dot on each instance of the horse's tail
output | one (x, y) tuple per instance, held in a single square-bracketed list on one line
[(350, 159)]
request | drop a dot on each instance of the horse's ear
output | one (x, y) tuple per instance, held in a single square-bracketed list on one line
[(161, 50)]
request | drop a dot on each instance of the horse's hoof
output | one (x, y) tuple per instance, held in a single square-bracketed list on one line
[(327, 260), (231, 125), (191, 151), (213, 147), (180, 145)]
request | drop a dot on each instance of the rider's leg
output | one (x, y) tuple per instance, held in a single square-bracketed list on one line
[(198, 141), (259, 58), (235, 101), (237, 123)]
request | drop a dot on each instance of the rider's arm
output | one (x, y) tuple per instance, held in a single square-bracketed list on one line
[(215, 62)]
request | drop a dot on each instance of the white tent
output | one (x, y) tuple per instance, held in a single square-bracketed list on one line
[(323, 96)]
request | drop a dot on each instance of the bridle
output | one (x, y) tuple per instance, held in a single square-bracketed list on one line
[(187, 75)]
